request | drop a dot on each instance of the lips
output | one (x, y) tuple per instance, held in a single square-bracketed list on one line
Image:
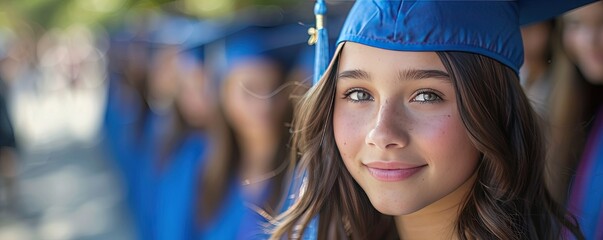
[(392, 171)]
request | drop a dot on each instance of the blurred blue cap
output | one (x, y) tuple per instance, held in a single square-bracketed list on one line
[(268, 34), (251, 42), (486, 27)]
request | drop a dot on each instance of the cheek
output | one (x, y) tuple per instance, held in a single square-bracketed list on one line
[(570, 40), (348, 131), (447, 146), (438, 130)]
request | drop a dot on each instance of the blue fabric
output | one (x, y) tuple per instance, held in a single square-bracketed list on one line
[(586, 201), (280, 43), (234, 219), (248, 43), (293, 194), (122, 109), (134, 152), (592, 212), (269, 35), (489, 28), (144, 171), (322, 56), (531, 11), (120, 116), (177, 187)]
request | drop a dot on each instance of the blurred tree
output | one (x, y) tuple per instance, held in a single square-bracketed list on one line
[(62, 13)]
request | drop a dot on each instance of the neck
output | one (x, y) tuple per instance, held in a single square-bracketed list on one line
[(438, 220), (257, 154), (534, 70)]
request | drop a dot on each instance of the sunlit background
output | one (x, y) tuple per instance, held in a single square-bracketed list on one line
[(57, 181), (92, 93)]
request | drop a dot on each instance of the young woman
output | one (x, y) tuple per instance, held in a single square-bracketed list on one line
[(241, 184), (177, 160), (578, 117), (535, 74), (419, 129)]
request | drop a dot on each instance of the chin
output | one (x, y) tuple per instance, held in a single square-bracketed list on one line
[(396, 210), (594, 78), (395, 207)]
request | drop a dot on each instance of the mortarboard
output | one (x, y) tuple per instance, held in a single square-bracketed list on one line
[(270, 34), (323, 34), (486, 27)]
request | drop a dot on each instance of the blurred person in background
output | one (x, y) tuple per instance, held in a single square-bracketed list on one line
[(160, 139), (157, 142), (537, 81), (55, 77), (134, 130), (125, 104), (242, 184), (577, 118), (16, 53), (178, 161), (535, 74), (8, 148), (17, 69)]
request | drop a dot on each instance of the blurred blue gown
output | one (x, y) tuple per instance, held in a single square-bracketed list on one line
[(293, 194), (160, 200), (235, 219), (177, 190), (586, 199)]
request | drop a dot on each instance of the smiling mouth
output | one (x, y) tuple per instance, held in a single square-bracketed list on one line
[(393, 174)]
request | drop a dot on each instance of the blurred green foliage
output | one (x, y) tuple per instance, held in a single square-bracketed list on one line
[(60, 13)]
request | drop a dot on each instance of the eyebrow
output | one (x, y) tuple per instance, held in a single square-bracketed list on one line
[(412, 74), (423, 74), (354, 74)]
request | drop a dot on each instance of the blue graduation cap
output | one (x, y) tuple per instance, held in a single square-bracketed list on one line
[(249, 43), (275, 38), (486, 27)]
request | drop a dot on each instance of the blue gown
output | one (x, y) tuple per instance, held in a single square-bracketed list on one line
[(134, 152), (145, 174), (234, 219), (293, 194), (122, 109), (586, 199), (177, 185)]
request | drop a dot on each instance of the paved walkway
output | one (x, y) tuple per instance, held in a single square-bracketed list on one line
[(67, 185)]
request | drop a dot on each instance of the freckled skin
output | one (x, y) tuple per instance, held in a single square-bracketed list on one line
[(394, 126)]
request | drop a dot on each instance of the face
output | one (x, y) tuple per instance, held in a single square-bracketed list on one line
[(252, 103), (195, 100), (398, 130), (583, 39), (163, 74), (535, 40)]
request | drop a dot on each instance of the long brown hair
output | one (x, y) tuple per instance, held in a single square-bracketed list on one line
[(508, 200), (574, 103), (225, 161)]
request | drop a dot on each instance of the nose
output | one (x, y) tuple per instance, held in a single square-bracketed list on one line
[(388, 131)]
